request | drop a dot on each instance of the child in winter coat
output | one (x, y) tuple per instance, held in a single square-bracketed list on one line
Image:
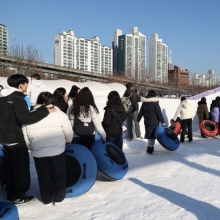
[(13, 113), (47, 140), (186, 114), (61, 97), (152, 114), (202, 112), (84, 108), (114, 116), (215, 114)]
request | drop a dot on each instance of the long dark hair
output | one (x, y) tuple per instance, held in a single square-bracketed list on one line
[(59, 94), (114, 98), (46, 98), (151, 94), (73, 92), (82, 102)]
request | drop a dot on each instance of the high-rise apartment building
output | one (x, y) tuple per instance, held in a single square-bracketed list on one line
[(158, 60), (3, 40), (210, 79), (129, 53), (83, 54)]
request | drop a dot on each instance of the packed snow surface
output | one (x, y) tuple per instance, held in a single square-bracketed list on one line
[(166, 185)]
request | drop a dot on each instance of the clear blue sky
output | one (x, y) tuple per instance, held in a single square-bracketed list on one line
[(190, 28)]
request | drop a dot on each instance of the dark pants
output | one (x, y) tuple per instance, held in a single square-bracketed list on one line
[(186, 124), (52, 177), (129, 126), (17, 170), (130, 119), (85, 141), (137, 125), (118, 141)]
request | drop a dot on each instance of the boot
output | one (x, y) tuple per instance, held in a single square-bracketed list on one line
[(202, 135), (150, 150)]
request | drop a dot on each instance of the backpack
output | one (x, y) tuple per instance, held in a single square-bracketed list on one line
[(129, 108), (83, 129)]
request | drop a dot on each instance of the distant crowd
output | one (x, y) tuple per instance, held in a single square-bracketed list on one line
[(33, 118)]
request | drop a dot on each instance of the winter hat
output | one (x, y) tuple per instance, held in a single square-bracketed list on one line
[(217, 98), (183, 98)]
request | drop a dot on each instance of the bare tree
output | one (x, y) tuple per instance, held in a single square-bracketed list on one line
[(6, 72), (25, 59)]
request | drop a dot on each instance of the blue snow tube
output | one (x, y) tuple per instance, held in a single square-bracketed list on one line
[(167, 138), (110, 159), (97, 136), (8, 211), (2, 165), (1, 153), (81, 170)]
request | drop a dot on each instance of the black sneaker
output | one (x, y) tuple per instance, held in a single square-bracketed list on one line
[(23, 201)]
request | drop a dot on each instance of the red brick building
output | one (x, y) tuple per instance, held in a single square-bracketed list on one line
[(178, 77)]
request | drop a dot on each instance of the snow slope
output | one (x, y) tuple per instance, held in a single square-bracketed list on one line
[(183, 184)]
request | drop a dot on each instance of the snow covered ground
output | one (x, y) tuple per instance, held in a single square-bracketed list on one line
[(166, 185)]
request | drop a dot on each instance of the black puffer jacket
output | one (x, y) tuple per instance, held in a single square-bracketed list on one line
[(152, 114), (13, 113), (135, 98), (110, 121)]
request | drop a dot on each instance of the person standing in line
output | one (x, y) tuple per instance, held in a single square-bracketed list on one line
[(85, 109), (47, 140), (202, 112), (72, 94), (13, 113), (114, 116), (186, 114), (61, 99), (215, 115), (35, 88), (134, 98), (152, 114)]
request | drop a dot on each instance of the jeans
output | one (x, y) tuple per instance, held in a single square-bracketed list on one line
[(137, 126), (118, 141)]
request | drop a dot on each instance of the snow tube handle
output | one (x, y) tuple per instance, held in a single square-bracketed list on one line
[(84, 171)]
